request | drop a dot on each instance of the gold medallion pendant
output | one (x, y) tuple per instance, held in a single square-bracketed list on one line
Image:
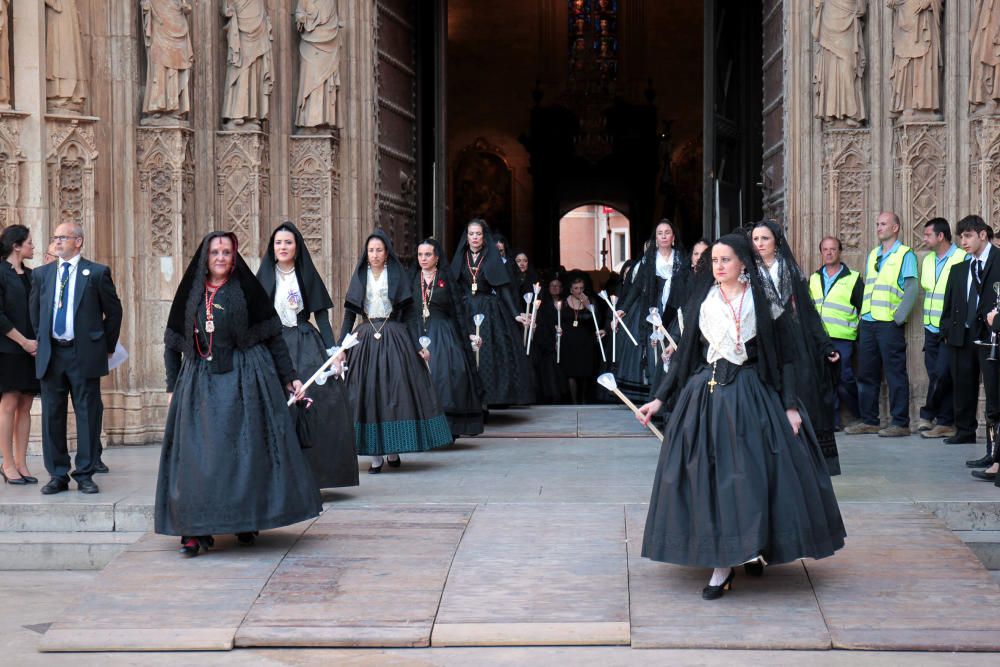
[(378, 335)]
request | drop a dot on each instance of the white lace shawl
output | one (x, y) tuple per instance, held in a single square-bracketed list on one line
[(665, 270), (719, 329), (287, 297), (377, 304)]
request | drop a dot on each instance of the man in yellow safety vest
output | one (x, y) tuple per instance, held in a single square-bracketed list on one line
[(937, 416), (890, 293), (837, 292)]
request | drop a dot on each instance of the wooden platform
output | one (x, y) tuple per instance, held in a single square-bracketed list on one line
[(525, 574)]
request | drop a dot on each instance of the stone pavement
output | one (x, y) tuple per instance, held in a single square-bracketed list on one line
[(533, 542)]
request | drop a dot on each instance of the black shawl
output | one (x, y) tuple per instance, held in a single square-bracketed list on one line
[(774, 368), (262, 321), (400, 294), (492, 265), (315, 297)]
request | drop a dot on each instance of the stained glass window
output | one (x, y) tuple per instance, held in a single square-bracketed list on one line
[(593, 41)]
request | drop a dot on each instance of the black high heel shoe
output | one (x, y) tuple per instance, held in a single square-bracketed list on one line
[(190, 546), (716, 592), (394, 464), (754, 568), (247, 539), (17, 481)]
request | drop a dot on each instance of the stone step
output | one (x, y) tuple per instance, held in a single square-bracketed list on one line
[(985, 544), (62, 551), (76, 515), (970, 515)]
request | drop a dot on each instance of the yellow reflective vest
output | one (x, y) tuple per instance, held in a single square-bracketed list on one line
[(840, 318), (882, 292), (933, 285)]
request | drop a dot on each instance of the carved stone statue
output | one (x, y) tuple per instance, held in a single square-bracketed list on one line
[(319, 73), (249, 65), (984, 71), (4, 56), (169, 58), (840, 60), (916, 57), (65, 64)]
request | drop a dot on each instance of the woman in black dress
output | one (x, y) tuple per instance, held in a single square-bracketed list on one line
[(442, 317), (396, 409), (741, 477), (550, 383), (818, 357), (487, 290), (230, 461), (578, 360), (697, 250), (297, 291), (526, 275), (18, 385), (662, 283)]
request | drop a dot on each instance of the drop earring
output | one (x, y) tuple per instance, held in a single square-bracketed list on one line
[(744, 276)]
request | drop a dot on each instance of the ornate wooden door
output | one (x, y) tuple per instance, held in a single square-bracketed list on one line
[(773, 167), (396, 122)]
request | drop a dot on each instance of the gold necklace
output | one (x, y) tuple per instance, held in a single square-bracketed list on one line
[(378, 332)]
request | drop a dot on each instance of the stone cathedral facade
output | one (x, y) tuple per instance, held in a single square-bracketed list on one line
[(152, 122)]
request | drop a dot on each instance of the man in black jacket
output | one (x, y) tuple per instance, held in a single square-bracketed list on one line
[(77, 315), (969, 297)]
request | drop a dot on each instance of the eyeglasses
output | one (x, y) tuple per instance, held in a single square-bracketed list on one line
[(60, 239)]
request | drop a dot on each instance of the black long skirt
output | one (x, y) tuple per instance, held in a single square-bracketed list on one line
[(734, 482), (631, 370), (230, 461), (503, 364), (331, 421), (455, 378), (396, 409)]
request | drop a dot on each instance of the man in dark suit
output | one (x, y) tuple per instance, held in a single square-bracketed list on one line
[(77, 316), (968, 299)]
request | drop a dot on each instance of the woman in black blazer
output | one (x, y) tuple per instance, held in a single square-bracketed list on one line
[(18, 386)]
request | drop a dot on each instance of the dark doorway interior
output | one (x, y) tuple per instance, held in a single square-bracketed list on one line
[(652, 108)]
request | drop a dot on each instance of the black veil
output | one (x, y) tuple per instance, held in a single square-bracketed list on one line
[(400, 293), (315, 296), (688, 357), (492, 266), (262, 320)]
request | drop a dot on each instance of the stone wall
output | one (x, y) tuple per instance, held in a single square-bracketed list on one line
[(146, 188), (930, 160)]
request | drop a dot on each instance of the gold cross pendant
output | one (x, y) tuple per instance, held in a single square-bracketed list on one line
[(712, 382)]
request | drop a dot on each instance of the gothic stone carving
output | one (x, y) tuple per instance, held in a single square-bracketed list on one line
[(65, 62), (846, 177), (242, 188), (920, 150), (916, 58), (984, 66), (11, 158), (315, 187), (166, 180), (840, 60), (72, 153), (169, 58), (249, 63), (319, 53), (985, 169)]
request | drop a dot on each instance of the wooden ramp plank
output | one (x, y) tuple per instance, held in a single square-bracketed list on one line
[(612, 422), (905, 582), (151, 599), (778, 611), (534, 422), (529, 575), (369, 576)]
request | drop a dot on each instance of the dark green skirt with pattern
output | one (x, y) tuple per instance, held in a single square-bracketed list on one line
[(396, 409)]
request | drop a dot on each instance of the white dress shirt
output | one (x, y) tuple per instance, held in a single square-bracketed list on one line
[(70, 296), (982, 267)]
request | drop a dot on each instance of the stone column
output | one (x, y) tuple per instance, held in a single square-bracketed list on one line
[(242, 189), (11, 159), (165, 165), (315, 189), (70, 159)]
